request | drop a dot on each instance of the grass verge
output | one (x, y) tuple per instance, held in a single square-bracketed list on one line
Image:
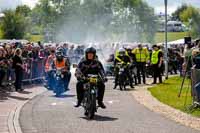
[(167, 93), (172, 36), (36, 38)]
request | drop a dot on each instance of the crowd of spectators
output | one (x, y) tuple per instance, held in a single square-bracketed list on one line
[(25, 62)]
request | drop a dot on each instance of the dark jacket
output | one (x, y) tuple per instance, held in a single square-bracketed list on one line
[(125, 59), (86, 67), (17, 59)]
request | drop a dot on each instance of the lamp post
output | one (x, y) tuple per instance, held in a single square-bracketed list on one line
[(166, 49)]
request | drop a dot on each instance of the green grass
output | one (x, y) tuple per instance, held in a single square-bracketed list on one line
[(160, 37), (172, 36), (33, 38), (167, 93), (36, 38), (1, 34)]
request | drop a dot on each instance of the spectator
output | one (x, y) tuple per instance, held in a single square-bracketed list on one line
[(2, 65), (18, 66), (65, 48)]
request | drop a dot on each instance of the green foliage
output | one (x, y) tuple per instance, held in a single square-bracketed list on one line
[(13, 25), (24, 10), (1, 36), (176, 14), (78, 20), (191, 16), (168, 94)]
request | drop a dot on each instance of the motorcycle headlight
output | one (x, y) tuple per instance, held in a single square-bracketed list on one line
[(93, 91), (121, 69)]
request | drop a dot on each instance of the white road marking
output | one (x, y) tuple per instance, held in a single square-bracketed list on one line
[(53, 104), (113, 101)]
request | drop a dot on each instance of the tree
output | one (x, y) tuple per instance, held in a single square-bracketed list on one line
[(176, 14), (191, 15), (24, 10), (13, 25), (97, 20)]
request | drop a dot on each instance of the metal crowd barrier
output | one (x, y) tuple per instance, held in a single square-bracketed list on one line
[(34, 69)]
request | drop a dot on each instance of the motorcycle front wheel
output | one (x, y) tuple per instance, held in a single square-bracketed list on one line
[(92, 107)]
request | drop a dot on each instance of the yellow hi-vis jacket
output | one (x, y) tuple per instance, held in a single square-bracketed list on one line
[(154, 57), (142, 55), (118, 59)]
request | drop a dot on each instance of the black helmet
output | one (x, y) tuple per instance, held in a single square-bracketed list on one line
[(90, 50), (59, 54)]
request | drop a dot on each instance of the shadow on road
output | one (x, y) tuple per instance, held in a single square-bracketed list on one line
[(18, 98), (4, 95), (101, 118), (7, 93), (63, 96), (24, 92)]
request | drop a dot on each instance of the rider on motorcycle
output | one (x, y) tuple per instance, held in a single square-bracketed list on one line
[(90, 65), (133, 61), (122, 58), (61, 62)]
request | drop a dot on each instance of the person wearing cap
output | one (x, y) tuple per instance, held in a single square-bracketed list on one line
[(156, 62), (142, 57)]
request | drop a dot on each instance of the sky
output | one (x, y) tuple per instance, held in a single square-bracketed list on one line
[(157, 4), (172, 4)]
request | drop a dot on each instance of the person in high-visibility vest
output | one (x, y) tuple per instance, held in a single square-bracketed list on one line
[(122, 58), (142, 57), (156, 62), (49, 76), (60, 62)]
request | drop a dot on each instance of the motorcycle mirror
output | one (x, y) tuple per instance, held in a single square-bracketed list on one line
[(75, 65)]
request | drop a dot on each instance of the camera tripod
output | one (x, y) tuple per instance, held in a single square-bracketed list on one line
[(195, 103)]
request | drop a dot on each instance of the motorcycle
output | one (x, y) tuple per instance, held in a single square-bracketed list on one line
[(90, 92), (59, 82), (122, 76), (90, 95)]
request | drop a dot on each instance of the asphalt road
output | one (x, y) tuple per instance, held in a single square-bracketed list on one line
[(48, 114)]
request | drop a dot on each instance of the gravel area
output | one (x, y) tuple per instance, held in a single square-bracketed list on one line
[(144, 97)]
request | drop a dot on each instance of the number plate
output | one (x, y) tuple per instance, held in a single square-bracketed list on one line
[(93, 80)]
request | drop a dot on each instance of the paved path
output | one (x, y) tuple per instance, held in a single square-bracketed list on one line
[(45, 113), (10, 105)]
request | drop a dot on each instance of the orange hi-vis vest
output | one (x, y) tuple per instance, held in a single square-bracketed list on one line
[(49, 62), (59, 65)]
